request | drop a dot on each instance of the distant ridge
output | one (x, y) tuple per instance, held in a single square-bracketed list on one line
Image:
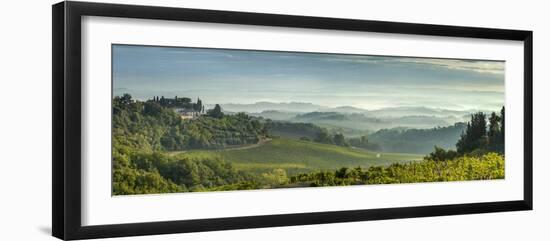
[(264, 105), (305, 107)]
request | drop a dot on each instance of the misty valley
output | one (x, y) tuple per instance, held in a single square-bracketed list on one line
[(163, 145), (191, 119)]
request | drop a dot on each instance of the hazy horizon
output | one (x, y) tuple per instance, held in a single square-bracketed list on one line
[(226, 76)]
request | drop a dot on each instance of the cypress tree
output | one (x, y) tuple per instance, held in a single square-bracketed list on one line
[(475, 136)]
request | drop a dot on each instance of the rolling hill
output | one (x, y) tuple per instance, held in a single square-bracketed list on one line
[(418, 140), (297, 156)]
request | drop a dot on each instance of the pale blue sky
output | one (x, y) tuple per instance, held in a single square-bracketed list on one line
[(244, 76)]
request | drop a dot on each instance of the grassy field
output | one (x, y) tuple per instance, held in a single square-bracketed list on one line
[(297, 156)]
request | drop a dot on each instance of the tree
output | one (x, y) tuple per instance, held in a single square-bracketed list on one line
[(125, 99), (185, 100), (440, 154), (198, 105), (152, 108), (494, 135), (475, 135), (502, 136), (364, 139), (216, 112), (323, 137), (494, 129), (342, 172), (340, 140)]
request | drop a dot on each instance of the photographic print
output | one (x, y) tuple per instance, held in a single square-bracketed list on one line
[(155, 122), (188, 119)]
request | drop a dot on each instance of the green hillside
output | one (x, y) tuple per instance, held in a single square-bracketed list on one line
[(419, 141), (297, 156)]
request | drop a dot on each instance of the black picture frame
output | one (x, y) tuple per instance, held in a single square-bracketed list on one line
[(66, 158)]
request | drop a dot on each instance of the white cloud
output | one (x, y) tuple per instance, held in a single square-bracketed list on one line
[(479, 66)]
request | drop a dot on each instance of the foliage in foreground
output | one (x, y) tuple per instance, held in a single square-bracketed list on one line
[(486, 167), (143, 173), (159, 173)]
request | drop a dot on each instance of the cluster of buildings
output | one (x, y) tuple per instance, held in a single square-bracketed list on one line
[(183, 106)]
